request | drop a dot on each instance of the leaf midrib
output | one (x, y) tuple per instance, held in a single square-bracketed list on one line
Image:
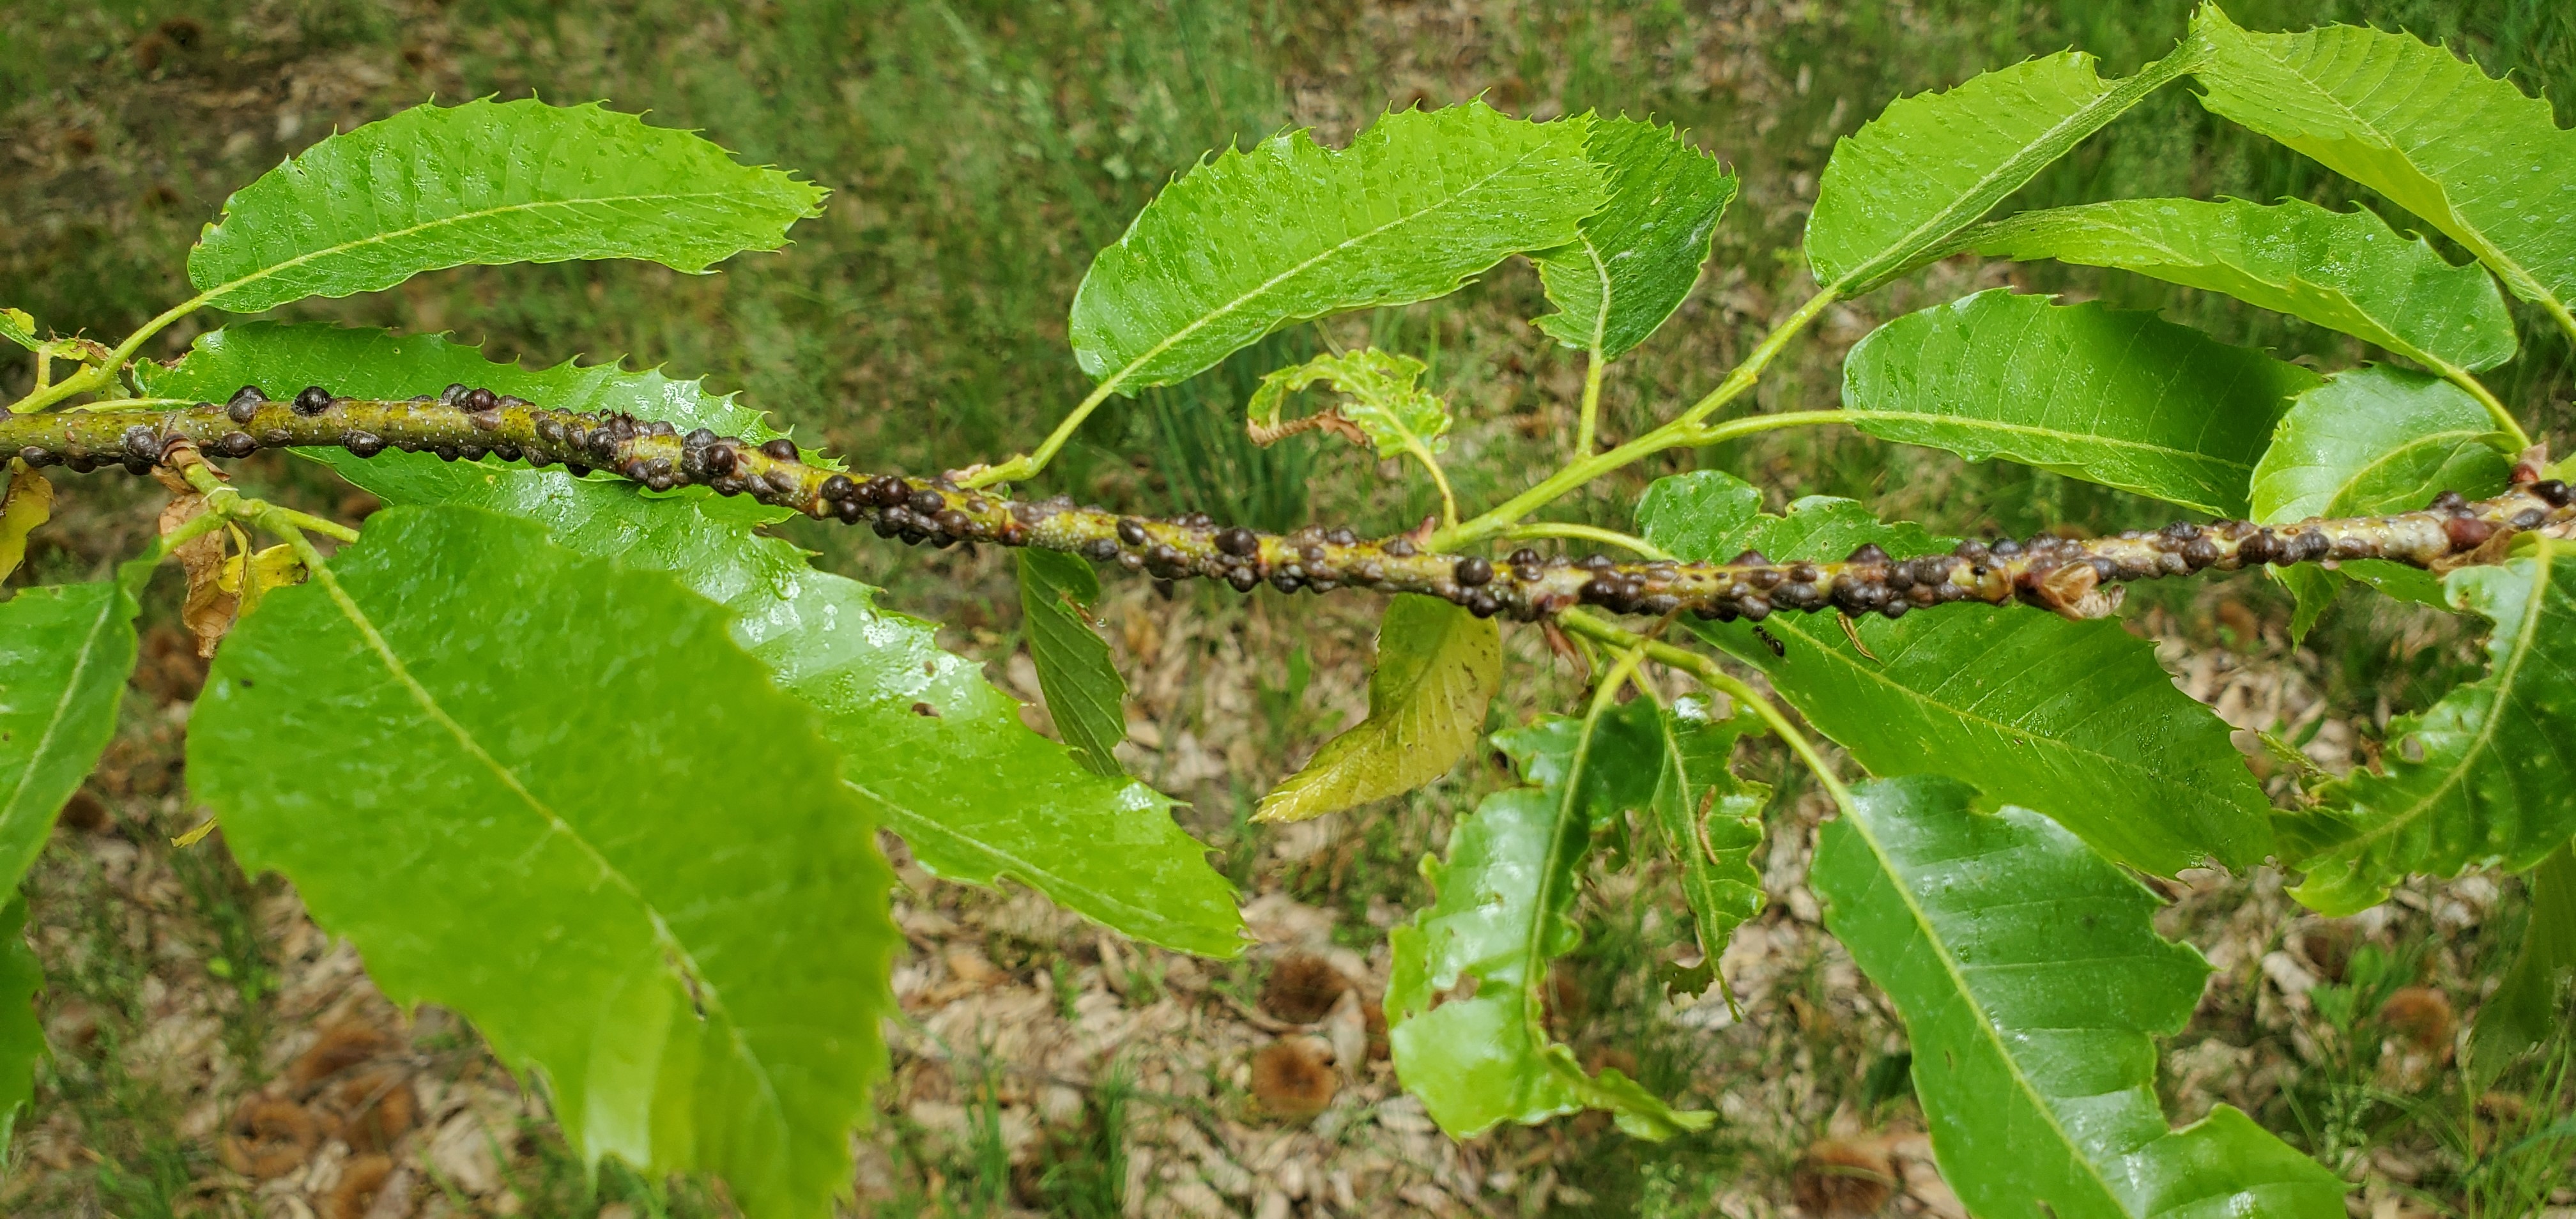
[(2469, 234), (2336, 502), (1988, 1029), (210, 295), (1951, 218), (62, 705), (918, 824), (1208, 318), (705, 987), (2095, 438), (2025, 735)]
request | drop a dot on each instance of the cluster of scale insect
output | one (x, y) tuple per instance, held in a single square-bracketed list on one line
[(471, 423)]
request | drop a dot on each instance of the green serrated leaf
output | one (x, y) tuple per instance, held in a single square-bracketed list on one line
[(1251, 241), (2074, 719), (486, 759), (2473, 155), (1465, 1007), (2345, 271), (2127, 400), (1437, 668), (1384, 400), (1929, 165), (1640, 254), (2481, 778), (487, 183), (1083, 690), (65, 652), (1101, 846), (2524, 1011), (2033, 986), (22, 1039), (2370, 441), (1710, 821)]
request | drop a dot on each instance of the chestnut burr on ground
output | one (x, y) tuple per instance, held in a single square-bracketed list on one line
[(2078, 578)]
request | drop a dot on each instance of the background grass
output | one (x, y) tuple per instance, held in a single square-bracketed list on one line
[(980, 151)]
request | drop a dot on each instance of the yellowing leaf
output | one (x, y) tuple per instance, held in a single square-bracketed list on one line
[(1437, 668), (29, 502), (261, 573)]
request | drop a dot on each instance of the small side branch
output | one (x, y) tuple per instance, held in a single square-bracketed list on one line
[(2075, 578)]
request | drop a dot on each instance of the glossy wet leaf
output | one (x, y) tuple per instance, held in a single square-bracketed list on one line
[(1465, 1001), (1931, 164), (65, 653), (2073, 719), (2127, 400), (22, 1039), (2346, 271), (2480, 779), (1640, 254), (1245, 243), (2473, 156), (487, 759), (1437, 668), (1710, 821), (487, 183), (2525, 1010), (1382, 397), (1083, 690), (1105, 847), (2033, 987), (19, 327), (2370, 441)]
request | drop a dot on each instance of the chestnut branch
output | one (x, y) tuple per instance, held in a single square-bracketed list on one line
[(2078, 578)]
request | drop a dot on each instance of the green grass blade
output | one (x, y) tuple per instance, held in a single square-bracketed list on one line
[(22, 1039), (1641, 253), (2033, 986), (488, 760), (1481, 1055), (1929, 165), (1083, 690), (487, 183), (2345, 271), (2370, 441), (2127, 400), (2481, 778), (2524, 1011), (2073, 719), (1437, 669), (2472, 155), (1290, 230), (1105, 847)]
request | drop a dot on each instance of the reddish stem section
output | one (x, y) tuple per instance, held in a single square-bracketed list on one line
[(2076, 578)]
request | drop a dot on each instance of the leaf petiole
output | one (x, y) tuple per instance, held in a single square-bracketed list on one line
[(1582, 622), (2505, 422), (1682, 430), (1588, 533), (1589, 423)]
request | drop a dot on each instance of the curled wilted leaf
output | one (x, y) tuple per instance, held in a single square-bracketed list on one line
[(1385, 405)]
